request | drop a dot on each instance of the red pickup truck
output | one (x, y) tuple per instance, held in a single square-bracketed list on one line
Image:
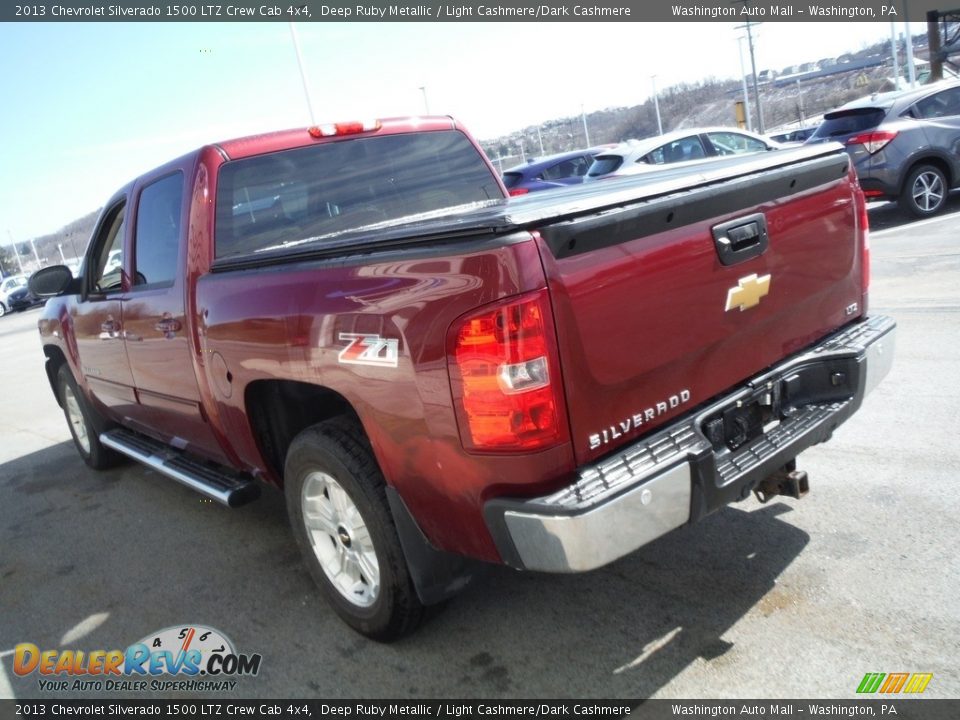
[(436, 375)]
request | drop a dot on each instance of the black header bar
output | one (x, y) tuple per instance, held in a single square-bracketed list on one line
[(212, 708), (470, 11)]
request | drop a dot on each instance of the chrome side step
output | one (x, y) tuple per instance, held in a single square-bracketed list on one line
[(217, 483)]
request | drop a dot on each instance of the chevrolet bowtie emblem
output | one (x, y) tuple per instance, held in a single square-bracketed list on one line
[(748, 292)]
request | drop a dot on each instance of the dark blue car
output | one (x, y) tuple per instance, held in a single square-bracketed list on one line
[(552, 171)]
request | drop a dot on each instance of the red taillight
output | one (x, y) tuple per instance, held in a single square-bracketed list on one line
[(344, 128), (873, 141), (518, 191), (504, 376)]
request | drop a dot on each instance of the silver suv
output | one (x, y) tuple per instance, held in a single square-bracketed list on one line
[(905, 145)]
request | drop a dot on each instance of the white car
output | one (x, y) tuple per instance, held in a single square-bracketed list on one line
[(7, 286), (699, 144)]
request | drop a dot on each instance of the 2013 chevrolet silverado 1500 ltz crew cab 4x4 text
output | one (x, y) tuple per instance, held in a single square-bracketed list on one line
[(435, 375)]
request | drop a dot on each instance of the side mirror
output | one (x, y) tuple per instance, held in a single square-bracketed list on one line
[(51, 281)]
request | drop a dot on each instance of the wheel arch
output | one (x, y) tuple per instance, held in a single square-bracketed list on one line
[(279, 410), (55, 360)]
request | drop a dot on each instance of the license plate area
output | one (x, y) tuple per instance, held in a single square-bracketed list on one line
[(756, 413), (746, 419)]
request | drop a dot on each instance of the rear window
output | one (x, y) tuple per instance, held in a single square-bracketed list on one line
[(313, 192), (604, 164), (512, 179), (849, 122)]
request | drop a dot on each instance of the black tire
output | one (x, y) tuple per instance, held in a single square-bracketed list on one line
[(86, 437), (334, 451), (3, 309), (924, 192)]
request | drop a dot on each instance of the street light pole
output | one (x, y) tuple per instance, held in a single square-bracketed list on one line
[(893, 53), (16, 252), (656, 104), (909, 47), (583, 116), (426, 105)]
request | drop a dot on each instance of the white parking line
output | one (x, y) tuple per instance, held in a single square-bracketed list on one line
[(918, 223)]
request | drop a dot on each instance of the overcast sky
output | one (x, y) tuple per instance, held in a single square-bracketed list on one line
[(87, 107)]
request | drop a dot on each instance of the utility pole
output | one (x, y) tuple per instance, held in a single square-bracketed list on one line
[(743, 81), (426, 105), (583, 116), (540, 140), (933, 37), (656, 104), (753, 65)]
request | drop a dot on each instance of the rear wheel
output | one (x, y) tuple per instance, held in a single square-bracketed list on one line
[(83, 423), (3, 309), (338, 511), (925, 191)]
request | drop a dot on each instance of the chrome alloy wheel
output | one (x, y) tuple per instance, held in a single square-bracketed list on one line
[(927, 191), (77, 423), (340, 539)]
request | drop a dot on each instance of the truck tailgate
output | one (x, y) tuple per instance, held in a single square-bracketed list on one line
[(653, 323)]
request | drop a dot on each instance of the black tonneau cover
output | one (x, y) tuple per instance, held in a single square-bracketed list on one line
[(700, 190)]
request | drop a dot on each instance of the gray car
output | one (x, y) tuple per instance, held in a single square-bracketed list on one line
[(905, 145)]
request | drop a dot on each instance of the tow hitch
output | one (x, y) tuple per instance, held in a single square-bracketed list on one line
[(788, 481)]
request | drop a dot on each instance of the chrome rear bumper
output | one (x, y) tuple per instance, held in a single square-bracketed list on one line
[(676, 475)]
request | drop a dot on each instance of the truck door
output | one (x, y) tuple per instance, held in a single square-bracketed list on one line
[(98, 322), (157, 332)]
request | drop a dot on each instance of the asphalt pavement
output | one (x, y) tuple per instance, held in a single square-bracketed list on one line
[(788, 599)]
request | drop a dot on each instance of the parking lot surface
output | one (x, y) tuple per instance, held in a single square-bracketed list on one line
[(788, 599)]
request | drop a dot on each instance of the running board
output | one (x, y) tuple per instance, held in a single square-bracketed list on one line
[(217, 483)]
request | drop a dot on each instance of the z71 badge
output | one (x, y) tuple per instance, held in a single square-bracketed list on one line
[(369, 350)]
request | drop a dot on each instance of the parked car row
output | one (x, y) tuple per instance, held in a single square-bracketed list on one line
[(551, 171), (15, 295), (905, 147), (632, 157)]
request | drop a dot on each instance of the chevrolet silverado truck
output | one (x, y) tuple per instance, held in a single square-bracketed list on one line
[(437, 376)]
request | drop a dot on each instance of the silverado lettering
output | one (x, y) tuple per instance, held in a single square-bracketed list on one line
[(437, 375), (634, 421)]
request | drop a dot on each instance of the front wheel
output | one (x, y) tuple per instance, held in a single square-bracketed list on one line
[(338, 511), (925, 191), (3, 309), (81, 421)]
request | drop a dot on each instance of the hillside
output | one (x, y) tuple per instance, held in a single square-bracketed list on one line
[(710, 102)]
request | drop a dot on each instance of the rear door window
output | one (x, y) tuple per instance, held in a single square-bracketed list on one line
[(157, 241), (731, 143), (941, 104), (574, 167), (688, 148), (324, 190)]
